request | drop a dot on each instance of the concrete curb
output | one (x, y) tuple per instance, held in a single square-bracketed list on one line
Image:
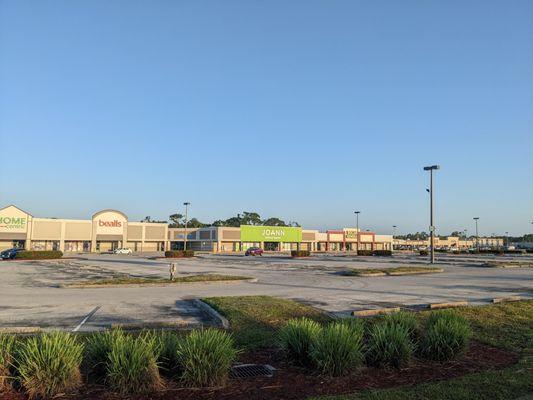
[(20, 329), (223, 321), (377, 311), (436, 271), (453, 304), (507, 299), (134, 326)]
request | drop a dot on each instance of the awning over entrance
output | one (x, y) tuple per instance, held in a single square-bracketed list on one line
[(108, 238)]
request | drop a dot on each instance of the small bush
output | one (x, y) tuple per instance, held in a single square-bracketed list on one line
[(97, 349), (382, 253), (206, 357), (447, 334), (424, 252), (364, 252), (168, 344), (49, 364), (179, 253), (131, 365), (337, 349), (300, 253), (6, 360), (38, 254), (356, 325), (297, 336), (406, 320), (389, 344)]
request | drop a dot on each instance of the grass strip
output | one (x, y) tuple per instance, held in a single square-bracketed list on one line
[(255, 319), (392, 271), (156, 281)]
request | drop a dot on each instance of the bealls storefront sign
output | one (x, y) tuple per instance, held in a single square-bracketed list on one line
[(110, 224), (13, 222)]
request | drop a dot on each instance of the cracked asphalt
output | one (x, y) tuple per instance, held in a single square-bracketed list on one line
[(31, 294)]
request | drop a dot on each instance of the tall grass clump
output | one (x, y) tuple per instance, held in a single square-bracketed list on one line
[(7, 343), (406, 320), (97, 349), (49, 364), (131, 365), (389, 344), (297, 336), (206, 357), (447, 335), (337, 348), (168, 344)]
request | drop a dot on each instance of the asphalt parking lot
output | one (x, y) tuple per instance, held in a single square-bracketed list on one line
[(31, 294)]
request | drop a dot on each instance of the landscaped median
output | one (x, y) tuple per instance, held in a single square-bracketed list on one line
[(141, 281), (394, 271), (508, 264), (469, 353)]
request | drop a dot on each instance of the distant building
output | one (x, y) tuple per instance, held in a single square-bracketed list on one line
[(450, 242)]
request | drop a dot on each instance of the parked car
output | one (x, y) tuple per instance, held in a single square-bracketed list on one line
[(254, 251), (9, 254), (123, 251)]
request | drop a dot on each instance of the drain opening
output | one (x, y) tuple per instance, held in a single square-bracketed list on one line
[(252, 371)]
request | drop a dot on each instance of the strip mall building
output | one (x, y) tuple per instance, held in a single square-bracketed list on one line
[(110, 229)]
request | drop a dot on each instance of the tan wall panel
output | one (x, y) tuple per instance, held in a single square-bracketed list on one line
[(154, 232), (205, 235), (149, 246), (46, 230), (308, 236), (135, 232), (231, 234), (336, 237), (78, 231)]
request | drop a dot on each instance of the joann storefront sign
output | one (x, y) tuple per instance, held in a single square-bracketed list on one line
[(12, 222), (287, 234)]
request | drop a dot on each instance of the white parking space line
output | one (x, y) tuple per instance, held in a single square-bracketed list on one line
[(84, 320)]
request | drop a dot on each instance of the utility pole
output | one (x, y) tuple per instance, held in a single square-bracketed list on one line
[(186, 204), (393, 234), (357, 228), (431, 224)]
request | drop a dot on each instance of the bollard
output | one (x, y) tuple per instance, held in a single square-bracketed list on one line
[(172, 270)]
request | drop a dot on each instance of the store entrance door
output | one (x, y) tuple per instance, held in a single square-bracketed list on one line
[(271, 246)]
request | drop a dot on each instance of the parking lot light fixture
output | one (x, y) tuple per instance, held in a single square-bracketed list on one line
[(186, 204), (477, 233), (431, 168), (357, 231)]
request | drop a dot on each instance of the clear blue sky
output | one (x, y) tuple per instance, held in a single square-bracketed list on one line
[(306, 110)]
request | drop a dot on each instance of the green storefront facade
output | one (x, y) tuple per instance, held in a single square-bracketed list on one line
[(270, 237)]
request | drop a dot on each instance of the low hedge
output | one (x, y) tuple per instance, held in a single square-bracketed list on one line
[(38, 254), (179, 253), (300, 253), (364, 252), (379, 253), (424, 252)]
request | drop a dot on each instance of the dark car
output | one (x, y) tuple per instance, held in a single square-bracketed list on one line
[(9, 254), (254, 251)]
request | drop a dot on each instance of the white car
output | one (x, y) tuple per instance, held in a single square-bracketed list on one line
[(123, 251)]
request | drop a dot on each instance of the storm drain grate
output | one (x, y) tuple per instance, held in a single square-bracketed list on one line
[(252, 371)]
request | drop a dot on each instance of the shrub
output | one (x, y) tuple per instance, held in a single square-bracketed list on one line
[(356, 325), (38, 254), (364, 252), (179, 253), (97, 349), (382, 253), (447, 334), (337, 349), (300, 253), (424, 252), (49, 364), (406, 320), (297, 336), (131, 365), (206, 357), (389, 344), (6, 360), (168, 344)]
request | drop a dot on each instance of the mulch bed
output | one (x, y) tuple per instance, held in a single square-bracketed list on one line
[(291, 382)]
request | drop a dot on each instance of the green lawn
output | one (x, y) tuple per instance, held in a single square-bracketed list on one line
[(255, 319), (393, 271), (128, 280)]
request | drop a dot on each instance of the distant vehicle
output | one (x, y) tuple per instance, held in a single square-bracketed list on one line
[(9, 254), (254, 251), (123, 251)]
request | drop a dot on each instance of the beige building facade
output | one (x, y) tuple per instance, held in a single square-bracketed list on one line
[(451, 242)]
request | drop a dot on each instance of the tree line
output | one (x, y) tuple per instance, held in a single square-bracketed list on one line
[(177, 220)]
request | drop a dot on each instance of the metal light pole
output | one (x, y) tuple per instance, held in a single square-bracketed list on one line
[(466, 238), (186, 204), (357, 228), (393, 234), (477, 234), (431, 225), (506, 243)]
